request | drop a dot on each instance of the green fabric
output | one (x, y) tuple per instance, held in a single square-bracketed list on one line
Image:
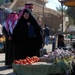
[(70, 36), (60, 68)]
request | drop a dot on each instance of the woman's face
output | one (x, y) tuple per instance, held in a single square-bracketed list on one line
[(61, 39), (26, 15)]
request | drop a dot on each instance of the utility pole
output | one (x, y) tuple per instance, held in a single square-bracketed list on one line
[(43, 15), (62, 15), (62, 1)]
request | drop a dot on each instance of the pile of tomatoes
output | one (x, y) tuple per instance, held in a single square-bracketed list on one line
[(27, 61)]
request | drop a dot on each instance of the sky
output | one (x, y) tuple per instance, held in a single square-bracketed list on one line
[(53, 4)]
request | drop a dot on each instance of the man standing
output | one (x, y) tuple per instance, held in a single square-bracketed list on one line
[(46, 34)]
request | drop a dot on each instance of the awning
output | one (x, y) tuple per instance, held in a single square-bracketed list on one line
[(70, 3)]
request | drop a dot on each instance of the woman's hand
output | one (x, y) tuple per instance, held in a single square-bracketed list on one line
[(9, 38)]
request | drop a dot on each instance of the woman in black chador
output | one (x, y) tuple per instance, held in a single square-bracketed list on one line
[(27, 36), (61, 43)]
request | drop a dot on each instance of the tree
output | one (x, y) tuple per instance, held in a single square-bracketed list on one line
[(59, 8), (71, 13), (64, 9)]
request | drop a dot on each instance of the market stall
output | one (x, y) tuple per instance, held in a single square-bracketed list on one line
[(58, 62)]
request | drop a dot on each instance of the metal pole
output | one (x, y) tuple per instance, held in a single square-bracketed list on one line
[(43, 15), (62, 15)]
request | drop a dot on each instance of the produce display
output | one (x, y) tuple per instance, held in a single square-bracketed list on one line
[(60, 54), (27, 61), (57, 62)]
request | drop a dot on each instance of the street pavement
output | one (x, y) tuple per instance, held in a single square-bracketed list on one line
[(5, 71)]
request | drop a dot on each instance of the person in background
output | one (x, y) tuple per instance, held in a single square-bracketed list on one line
[(27, 36), (8, 27), (61, 41), (46, 34)]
